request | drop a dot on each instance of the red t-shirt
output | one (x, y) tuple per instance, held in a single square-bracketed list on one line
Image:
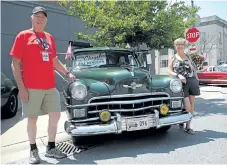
[(36, 72)]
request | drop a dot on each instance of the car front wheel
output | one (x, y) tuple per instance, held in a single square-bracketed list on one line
[(11, 107)]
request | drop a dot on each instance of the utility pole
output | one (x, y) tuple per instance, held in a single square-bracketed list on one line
[(192, 3)]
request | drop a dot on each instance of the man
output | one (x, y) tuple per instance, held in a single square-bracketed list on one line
[(33, 62)]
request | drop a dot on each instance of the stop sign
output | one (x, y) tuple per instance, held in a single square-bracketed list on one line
[(192, 35)]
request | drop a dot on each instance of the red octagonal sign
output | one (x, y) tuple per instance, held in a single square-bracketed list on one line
[(192, 35)]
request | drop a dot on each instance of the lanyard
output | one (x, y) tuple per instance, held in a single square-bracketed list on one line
[(44, 42)]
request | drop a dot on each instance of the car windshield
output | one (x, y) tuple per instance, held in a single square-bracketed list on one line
[(221, 69), (104, 59)]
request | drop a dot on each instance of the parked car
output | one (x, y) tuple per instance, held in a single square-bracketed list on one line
[(224, 65), (9, 99), (113, 93), (219, 68), (213, 75)]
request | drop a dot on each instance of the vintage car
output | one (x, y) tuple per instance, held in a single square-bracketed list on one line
[(9, 99), (113, 93), (213, 75)]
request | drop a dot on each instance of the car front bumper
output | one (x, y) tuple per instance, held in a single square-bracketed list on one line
[(119, 124)]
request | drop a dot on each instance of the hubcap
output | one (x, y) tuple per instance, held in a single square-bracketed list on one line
[(12, 103)]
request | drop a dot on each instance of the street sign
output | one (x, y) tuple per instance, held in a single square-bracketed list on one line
[(192, 35), (192, 49)]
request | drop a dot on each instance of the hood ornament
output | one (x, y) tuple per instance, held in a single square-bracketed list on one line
[(133, 85)]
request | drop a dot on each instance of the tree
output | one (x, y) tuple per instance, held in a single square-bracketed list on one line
[(205, 44), (155, 23)]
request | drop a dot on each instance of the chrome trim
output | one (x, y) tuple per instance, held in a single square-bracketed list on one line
[(176, 119), (90, 119), (133, 85), (126, 110), (124, 102), (93, 129), (172, 111), (119, 124), (129, 95)]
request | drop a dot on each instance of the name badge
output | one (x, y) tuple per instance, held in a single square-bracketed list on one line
[(45, 56)]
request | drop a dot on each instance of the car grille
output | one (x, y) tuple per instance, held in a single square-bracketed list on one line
[(127, 105)]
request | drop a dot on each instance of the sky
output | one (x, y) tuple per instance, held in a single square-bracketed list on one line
[(211, 7)]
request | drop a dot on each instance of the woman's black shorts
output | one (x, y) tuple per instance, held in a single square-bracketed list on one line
[(191, 88)]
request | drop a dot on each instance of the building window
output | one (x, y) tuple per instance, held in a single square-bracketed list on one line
[(163, 51), (220, 40), (203, 34), (164, 63), (221, 55)]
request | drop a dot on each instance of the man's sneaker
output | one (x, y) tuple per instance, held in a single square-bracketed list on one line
[(55, 153), (34, 157)]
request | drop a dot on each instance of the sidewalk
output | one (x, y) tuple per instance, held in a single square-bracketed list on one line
[(14, 139), (214, 89)]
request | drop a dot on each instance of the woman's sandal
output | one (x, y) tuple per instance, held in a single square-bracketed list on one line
[(181, 126), (189, 131)]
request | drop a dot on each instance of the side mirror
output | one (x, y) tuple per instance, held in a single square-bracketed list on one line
[(149, 61)]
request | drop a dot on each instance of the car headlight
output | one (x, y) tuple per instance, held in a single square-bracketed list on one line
[(78, 91), (175, 85)]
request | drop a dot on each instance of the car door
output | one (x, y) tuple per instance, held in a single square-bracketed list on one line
[(4, 97), (202, 75)]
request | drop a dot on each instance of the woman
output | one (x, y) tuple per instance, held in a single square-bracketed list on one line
[(181, 65)]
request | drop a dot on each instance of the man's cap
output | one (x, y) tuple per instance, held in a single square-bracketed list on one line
[(39, 9)]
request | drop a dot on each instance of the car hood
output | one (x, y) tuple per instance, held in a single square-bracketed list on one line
[(117, 80)]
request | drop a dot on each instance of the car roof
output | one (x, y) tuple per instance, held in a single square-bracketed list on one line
[(100, 49)]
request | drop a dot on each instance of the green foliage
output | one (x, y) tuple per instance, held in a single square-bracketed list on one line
[(155, 23), (197, 58)]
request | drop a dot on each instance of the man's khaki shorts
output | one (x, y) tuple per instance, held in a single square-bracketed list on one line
[(41, 102)]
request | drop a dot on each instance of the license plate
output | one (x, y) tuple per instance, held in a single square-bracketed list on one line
[(137, 124)]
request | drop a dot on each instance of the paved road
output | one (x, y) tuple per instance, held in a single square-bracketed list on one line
[(209, 145)]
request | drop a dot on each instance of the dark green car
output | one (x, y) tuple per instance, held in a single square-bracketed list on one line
[(114, 93), (9, 99)]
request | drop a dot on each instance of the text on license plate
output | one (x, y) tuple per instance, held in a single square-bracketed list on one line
[(137, 124)]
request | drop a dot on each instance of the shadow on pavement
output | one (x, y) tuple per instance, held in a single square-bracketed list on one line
[(6, 124), (207, 107), (130, 145)]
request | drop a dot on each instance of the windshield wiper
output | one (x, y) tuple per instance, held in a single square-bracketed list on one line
[(127, 65), (107, 65), (82, 65)]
